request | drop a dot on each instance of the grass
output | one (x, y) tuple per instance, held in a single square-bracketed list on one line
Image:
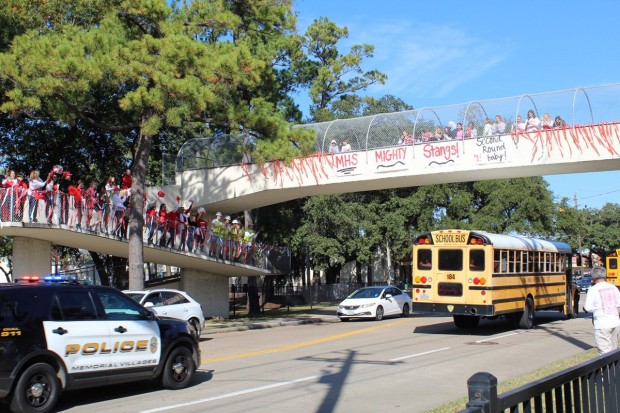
[(460, 404), (269, 312)]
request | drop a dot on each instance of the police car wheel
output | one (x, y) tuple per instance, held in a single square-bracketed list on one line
[(37, 390), (179, 369)]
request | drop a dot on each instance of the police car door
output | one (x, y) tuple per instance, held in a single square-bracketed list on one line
[(135, 340), (76, 335)]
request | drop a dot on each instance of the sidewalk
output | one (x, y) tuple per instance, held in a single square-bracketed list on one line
[(280, 319)]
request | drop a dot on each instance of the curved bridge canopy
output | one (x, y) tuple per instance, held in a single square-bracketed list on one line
[(412, 148)]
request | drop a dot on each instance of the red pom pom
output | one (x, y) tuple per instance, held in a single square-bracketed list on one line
[(178, 198), (161, 194)]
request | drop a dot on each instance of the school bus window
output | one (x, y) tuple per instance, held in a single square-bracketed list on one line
[(501, 261), (511, 261), (518, 262), (547, 265), (425, 259), (524, 261), (496, 259), (450, 260), (476, 260), (613, 264)]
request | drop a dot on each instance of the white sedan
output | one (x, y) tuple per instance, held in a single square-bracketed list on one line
[(375, 302), (171, 303)]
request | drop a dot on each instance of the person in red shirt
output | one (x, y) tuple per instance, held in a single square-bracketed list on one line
[(75, 201), (201, 233), (126, 180), (162, 215), (172, 221), (151, 221), (90, 198), (21, 192), (7, 195)]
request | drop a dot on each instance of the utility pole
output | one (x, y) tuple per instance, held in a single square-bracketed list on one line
[(579, 236)]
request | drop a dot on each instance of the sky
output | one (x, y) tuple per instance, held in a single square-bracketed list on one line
[(438, 53)]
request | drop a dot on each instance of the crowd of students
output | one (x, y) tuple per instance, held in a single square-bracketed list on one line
[(490, 128), (60, 200)]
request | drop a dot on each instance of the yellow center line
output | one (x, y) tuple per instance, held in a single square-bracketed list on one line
[(301, 344)]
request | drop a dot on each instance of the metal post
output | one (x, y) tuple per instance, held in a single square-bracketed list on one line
[(482, 391), (308, 273), (579, 246)]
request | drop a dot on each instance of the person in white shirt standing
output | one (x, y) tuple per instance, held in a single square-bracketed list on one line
[(603, 301)]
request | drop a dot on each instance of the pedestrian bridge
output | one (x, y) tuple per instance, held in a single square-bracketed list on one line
[(401, 150)]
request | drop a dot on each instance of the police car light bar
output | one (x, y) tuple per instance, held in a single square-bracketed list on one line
[(29, 279), (34, 279), (54, 278)]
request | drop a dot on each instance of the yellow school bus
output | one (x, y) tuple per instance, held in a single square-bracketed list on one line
[(611, 264), (475, 274)]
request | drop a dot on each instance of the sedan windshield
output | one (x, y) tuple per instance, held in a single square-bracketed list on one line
[(367, 293), (136, 296)]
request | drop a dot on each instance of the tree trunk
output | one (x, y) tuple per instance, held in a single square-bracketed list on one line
[(136, 210), (253, 299), (104, 276)]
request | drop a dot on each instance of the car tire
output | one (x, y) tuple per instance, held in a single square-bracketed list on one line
[(526, 321), (37, 390), (574, 312), (379, 314), (195, 327), (179, 369), (406, 310)]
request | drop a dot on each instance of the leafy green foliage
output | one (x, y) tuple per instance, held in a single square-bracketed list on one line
[(331, 75)]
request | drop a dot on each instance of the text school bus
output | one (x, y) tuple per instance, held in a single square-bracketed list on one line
[(474, 274)]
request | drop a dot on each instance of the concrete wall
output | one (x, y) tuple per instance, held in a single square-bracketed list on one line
[(31, 256), (210, 290)]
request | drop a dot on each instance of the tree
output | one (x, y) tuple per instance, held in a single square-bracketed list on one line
[(157, 65), (331, 76), (601, 229)]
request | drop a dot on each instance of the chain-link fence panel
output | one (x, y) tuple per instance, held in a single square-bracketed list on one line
[(168, 169)]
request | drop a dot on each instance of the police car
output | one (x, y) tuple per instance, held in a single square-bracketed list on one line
[(59, 335)]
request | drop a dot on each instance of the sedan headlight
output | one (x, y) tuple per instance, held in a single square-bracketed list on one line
[(368, 305)]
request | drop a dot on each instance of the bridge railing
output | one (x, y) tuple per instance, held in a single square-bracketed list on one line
[(591, 386), (55, 208)]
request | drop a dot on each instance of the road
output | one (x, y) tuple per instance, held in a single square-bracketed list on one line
[(413, 364)]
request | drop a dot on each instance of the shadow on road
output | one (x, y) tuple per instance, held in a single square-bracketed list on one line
[(76, 398), (544, 320)]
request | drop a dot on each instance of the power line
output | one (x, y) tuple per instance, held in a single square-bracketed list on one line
[(605, 193)]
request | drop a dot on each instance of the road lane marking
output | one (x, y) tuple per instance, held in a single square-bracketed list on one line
[(301, 344), (238, 393), (419, 354), (495, 338)]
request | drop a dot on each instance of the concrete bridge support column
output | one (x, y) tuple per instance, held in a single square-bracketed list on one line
[(31, 256), (210, 290)]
